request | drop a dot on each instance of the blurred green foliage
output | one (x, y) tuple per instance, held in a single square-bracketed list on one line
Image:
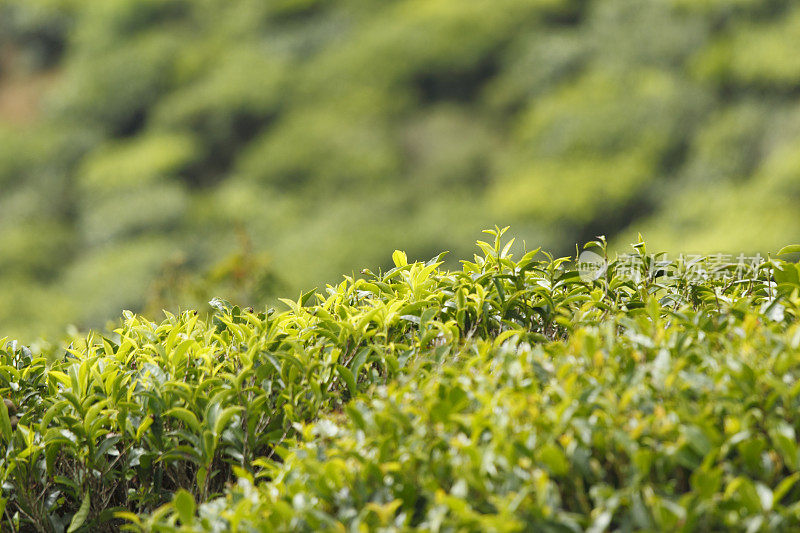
[(321, 133)]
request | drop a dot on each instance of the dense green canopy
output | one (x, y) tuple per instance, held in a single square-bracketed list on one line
[(510, 394), (154, 152)]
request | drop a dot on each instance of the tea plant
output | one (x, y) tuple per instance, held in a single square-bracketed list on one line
[(511, 394)]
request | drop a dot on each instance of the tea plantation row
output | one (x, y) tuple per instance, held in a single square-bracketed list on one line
[(509, 395)]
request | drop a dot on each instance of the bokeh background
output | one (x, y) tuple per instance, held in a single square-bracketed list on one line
[(155, 153)]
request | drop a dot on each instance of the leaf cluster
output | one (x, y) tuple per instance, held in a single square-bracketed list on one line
[(508, 394)]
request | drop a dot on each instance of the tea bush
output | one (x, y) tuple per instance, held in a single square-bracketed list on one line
[(302, 123), (510, 394)]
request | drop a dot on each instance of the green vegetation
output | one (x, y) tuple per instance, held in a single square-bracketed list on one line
[(154, 153), (507, 395)]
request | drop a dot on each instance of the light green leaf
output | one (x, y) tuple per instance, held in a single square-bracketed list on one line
[(400, 259), (791, 249), (185, 416), (348, 377), (552, 456), (5, 422), (225, 417), (83, 513), (784, 487), (185, 505)]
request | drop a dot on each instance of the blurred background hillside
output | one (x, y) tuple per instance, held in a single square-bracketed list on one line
[(154, 153)]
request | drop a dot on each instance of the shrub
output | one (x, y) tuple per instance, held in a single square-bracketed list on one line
[(506, 395)]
